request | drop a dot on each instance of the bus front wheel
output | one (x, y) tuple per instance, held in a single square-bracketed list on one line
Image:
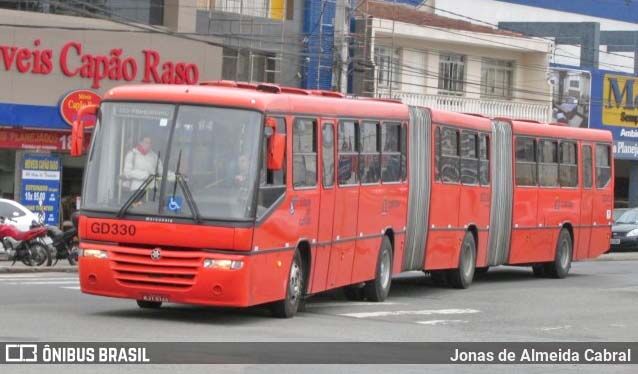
[(462, 276), (379, 288), (288, 307)]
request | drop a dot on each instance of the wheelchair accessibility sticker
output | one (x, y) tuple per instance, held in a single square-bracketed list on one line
[(174, 203)]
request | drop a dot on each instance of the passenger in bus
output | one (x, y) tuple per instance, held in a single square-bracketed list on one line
[(140, 162)]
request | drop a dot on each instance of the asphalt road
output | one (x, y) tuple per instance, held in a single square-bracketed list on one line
[(597, 302)]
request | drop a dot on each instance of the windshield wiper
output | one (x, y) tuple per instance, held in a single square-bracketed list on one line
[(140, 190), (179, 179)]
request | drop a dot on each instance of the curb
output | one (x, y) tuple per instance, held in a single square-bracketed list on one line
[(20, 269), (618, 256)]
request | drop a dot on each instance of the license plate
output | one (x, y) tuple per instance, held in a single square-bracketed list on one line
[(615, 241), (47, 240), (160, 298)]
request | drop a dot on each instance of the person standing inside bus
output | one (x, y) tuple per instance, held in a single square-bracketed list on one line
[(140, 162)]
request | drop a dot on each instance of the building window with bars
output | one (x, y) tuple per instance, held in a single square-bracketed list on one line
[(451, 73), (388, 72), (496, 78), (247, 66)]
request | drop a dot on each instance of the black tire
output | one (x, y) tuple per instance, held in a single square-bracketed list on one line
[(37, 255), (539, 270), (354, 293), (149, 304), (462, 276), (289, 306), (379, 288), (563, 258)]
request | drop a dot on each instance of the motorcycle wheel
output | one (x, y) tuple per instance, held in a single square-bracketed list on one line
[(72, 256), (38, 255)]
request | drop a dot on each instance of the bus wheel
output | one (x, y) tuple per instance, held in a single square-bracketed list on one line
[(462, 276), (149, 304), (288, 307), (378, 288), (563, 260)]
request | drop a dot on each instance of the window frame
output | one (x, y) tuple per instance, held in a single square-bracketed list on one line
[(294, 154), (377, 124), (355, 152), (496, 66), (591, 166), (330, 124), (387, 59), (539, 150), (560, 164), (535, 162), (454, 60), (609, 164), (399, 140), (475, 134), (439, 152), (486, 136)]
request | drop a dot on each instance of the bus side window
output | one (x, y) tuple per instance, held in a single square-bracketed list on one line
[(484, 159), (391, 152), (404, 152), (603, 165), (469, 157), (526, 168), (588, 178), (328, 154), (370, 156), (304, 153), (548, 163), (568, 167), (448, 155), (272, 183), (347, 144)]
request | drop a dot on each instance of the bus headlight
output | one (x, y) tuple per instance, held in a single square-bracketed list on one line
[(211, 263), (96, 253), (632, 233)]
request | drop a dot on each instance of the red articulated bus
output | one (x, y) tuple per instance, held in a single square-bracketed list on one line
[(236, 194)]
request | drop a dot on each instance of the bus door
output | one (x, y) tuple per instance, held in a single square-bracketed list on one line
[(321, 255), (586, 202), (346, 207)]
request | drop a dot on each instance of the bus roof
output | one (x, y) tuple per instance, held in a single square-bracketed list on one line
[(299, 101), (556, 130)]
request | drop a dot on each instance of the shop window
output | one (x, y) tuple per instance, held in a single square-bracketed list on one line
[(568, 169), (588, 178), (526, 168), (603, 165), (391, 152), (304, 151), (348, 153), (469, 157)]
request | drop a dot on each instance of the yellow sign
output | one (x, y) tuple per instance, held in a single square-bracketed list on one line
[(620, 101)]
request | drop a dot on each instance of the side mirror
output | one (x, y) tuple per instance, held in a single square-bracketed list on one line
[(77, 131), (276, 151)]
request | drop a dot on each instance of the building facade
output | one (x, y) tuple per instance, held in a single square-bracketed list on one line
[(411, 53), (594, 65)]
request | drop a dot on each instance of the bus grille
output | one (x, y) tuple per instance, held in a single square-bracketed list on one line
[(174, 269)]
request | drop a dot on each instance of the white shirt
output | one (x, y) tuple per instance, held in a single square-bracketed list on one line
[(137, 167)]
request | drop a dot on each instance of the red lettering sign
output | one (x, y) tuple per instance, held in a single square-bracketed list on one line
[(73, 101), (27, 139), (116, 65)]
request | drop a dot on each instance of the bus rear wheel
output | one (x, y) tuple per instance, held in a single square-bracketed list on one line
[(289, 306), (462, 276), (379, 288), (563, 259)]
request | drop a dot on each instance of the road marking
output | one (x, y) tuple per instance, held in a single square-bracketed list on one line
[(349, 304), (425, 312), (441, 321), (555, 328), (38, 283), (72, 288), (35, 279)]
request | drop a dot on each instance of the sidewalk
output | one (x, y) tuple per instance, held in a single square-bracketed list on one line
[(61, 267)]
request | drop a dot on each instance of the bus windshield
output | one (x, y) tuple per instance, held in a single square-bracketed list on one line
[(180, 161)]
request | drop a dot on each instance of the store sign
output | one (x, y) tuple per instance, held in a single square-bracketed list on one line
[(40, 188), (45, 140), (73, 101), (115, 65), (620, 101)]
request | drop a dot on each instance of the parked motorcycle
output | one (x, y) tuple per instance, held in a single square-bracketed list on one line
[(65, 244), (25, 246)]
